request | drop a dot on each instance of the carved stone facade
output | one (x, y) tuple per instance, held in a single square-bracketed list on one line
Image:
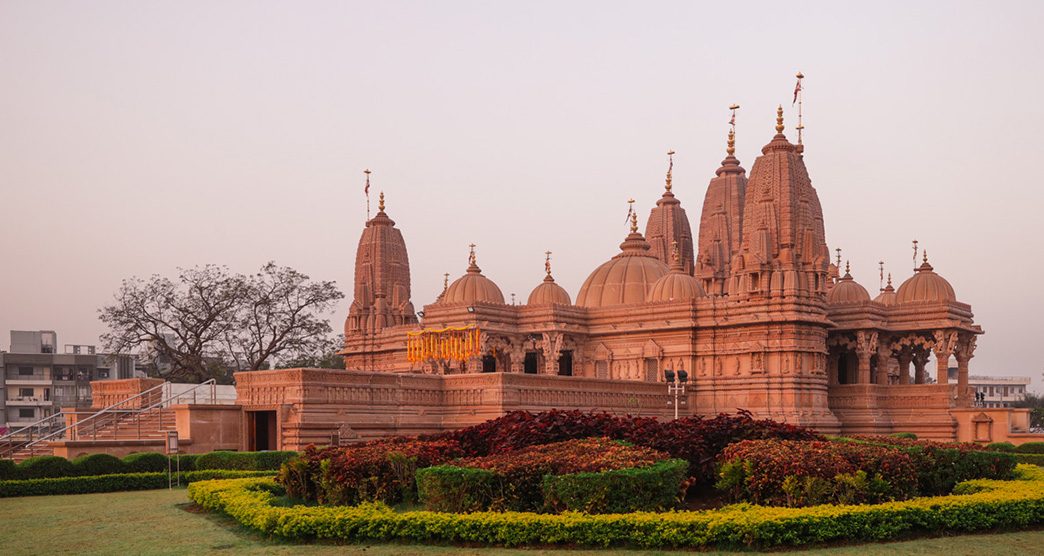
[(767, 326)]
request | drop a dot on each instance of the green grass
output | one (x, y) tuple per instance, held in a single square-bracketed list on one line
[(162, 522)]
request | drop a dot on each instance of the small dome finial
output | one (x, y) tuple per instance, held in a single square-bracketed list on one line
[(838, 265), (631, 215), (889, 280), (634, 222), (848, 268), (445, 282), (779, 119), (926, 256), (380, 202), (731, 148), (670, 168), (547, 263), (471, 255)]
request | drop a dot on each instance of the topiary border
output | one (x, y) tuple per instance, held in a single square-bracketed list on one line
[(981, 505), (114, 483)]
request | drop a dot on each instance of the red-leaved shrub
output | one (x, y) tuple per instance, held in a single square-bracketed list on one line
[(377, 471), (801, 473)]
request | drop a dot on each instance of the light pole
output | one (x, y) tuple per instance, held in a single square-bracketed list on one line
[(677, 389)]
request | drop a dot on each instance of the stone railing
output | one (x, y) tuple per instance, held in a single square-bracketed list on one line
[(108, 392)]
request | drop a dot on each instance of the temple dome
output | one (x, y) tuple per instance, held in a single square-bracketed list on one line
[(887, 295), (549, 293), (847, 291), (677, 285), (473, 287), (624, 279), (925, 287)]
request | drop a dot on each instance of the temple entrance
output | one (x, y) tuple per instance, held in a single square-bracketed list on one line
[(565, 364), (530, 363), (844, 374), (262, 433), (489, 364)]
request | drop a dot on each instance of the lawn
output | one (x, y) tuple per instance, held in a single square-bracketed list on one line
[(162, 522)]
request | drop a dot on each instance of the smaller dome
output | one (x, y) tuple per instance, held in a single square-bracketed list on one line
[(676, 285), (887, 295), (473, 287), (925, 287), (549, 293), (847, 291)]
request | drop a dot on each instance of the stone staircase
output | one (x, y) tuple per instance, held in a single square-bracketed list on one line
[(151, 424)]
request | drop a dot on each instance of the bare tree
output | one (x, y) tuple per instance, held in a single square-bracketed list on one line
[(326, 358), (207, 319), (180, 323), (282, 314)]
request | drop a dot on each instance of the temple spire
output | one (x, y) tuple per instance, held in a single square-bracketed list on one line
[(670, 169)]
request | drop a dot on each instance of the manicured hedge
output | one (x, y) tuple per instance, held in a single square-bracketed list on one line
[(243, 461), (113, 483), (448, 488), (985, 505), (1000, 447), (50, 467), (1030, 448), (1033, 459), (637, 489)]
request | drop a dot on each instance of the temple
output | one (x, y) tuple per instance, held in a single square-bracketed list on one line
[(753, 309)]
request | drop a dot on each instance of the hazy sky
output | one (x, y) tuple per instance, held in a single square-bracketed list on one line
[(136, 137)]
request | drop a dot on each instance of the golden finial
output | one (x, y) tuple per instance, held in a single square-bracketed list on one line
[(848, 268), (838, 265), (670, 168), (380, 202), (880, 267), (547, 262), (445, 282), (889, 279), (471, 255), (630, 211), (915, 254), (731, 149), (925, 256), (634, 222), (779, 119)]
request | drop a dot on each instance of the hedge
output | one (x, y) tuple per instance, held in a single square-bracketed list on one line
[(983, 505), (244, 461), (1030, 448), (49, 467), (1033, 459), (655, 487), (113, 483), (448, 488)]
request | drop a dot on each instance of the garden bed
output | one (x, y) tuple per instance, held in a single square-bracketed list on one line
[(977, 505)]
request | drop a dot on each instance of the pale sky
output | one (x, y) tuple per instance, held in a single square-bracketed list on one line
[(137, 137)]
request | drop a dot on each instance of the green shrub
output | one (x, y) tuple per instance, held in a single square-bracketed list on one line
[(113, 483), (908, 435), (187, 462), (244, 461), (1030, 448), (147, 462), (41, 467), (984, 505), (8, 470), (1000, 447), (637, 489), (99, 464), (446, 488), (1033, 459)]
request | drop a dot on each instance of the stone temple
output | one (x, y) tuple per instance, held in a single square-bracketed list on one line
[(752, 308)]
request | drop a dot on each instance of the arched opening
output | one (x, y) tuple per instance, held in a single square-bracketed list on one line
[(845, 371), (489, 364), (531, 363), (565, 364)]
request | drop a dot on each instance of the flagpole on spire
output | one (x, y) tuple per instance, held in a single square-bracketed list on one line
[(915, 255), (366, 190), (731, 146), (630, 209), (670, 169), (799, 99), (880, 266)]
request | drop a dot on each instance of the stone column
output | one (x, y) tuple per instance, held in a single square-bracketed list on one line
[(919, 361), (943, 349), (832, 367), (904, 367), (866, 345), (884, 360), (964, 352)]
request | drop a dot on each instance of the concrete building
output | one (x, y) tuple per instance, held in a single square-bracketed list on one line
[(37, 381)]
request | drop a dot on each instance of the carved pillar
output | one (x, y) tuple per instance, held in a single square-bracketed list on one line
[(964, 352), (552, 346), (866, 345), (919, 361), (518, 360), (905, 358), (943, 349), (884, 360)]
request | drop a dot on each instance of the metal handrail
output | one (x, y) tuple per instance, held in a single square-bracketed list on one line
[(110, 410), (51, 417)]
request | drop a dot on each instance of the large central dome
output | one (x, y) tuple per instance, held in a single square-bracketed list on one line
[(624, 279)]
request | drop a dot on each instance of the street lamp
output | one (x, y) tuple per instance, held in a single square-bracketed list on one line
[(677, 389)]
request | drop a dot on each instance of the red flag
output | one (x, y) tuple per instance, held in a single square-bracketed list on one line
[(366, 189), (797, 89)]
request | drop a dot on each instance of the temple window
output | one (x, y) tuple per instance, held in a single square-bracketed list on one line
[(489, 364)]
